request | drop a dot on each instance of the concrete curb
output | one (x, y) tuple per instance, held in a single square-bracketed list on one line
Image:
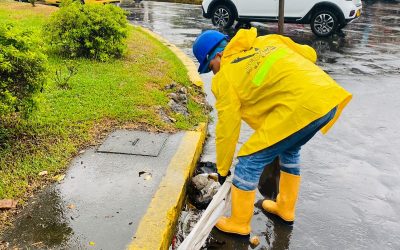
[(157, 226), (189, 64)]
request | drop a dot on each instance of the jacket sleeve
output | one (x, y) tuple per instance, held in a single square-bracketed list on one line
[(304, 50), (228, 124)]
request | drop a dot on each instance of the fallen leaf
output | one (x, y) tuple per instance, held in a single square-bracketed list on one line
[(255, 241), (92, 243), (42, 173), (213, 176), (71, 206), (59, 177), (8, 204)]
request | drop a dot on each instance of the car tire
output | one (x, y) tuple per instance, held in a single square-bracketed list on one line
[(324, 23), (222, 16)]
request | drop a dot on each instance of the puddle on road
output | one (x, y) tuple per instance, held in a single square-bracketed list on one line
[(42, 225)]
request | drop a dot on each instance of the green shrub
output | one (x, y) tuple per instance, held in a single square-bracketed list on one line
[(22, 70), (91, 31)]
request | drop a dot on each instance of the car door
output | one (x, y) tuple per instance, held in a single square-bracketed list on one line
[(298, 9), (257, 8)]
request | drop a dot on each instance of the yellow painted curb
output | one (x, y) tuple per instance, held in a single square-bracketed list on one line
[(189, 64), (158, 224)]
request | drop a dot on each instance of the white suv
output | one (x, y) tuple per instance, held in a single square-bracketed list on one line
[(325, 17)]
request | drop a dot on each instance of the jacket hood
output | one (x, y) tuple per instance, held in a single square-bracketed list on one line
[(242, 41)]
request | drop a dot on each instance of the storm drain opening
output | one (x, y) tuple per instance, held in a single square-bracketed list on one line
[(202, 188), (134, 143)]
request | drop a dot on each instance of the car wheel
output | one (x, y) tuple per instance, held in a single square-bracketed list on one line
[(222, 16), (324, 23)]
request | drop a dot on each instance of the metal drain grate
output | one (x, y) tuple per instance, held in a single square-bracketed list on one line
[(134, 143)]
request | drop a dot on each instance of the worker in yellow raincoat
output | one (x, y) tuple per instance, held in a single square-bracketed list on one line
[(273, 84)]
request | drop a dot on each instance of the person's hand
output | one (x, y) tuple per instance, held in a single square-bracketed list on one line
[(221, 179)]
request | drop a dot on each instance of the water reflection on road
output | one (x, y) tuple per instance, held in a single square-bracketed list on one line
[(350, 194)]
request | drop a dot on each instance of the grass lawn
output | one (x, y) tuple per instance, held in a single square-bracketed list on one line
[(104, 95)]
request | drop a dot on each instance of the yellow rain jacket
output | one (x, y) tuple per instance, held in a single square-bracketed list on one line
[(273, 84)]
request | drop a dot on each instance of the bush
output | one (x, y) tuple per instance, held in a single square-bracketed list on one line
[(91, 31), (22, 70)]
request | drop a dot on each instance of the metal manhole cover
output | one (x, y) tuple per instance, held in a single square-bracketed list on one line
[(134, 143)]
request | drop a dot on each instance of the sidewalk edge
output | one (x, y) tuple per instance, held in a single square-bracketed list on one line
[(157, 225)]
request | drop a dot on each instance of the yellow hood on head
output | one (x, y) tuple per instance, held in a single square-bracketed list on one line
[(243, 40)]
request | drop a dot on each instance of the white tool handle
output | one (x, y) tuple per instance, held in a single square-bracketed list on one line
[(219, 205)]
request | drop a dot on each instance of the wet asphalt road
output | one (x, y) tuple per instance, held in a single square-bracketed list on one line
[(350, 193)]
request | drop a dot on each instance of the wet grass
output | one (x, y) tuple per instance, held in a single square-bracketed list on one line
[(124, 93)]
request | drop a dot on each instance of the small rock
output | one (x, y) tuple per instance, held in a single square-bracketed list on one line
[(130, 223), (178, 108), (200, 181), (172, 119), (174, 97), (183, 90), (42, 173), (164, 115), (171, 103), (81, 152), (170, 86), (182, 97)]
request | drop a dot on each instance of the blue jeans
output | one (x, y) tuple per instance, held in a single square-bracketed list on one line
[(250, 167)]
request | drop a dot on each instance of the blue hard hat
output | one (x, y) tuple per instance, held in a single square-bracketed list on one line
[(206, 43)]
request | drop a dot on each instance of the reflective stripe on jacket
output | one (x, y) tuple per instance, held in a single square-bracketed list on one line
[(273, 84)]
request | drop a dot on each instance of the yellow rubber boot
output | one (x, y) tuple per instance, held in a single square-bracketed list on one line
[(242, 212), (285, 205)]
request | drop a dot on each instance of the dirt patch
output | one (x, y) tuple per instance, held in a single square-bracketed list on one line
[(38, 9)]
